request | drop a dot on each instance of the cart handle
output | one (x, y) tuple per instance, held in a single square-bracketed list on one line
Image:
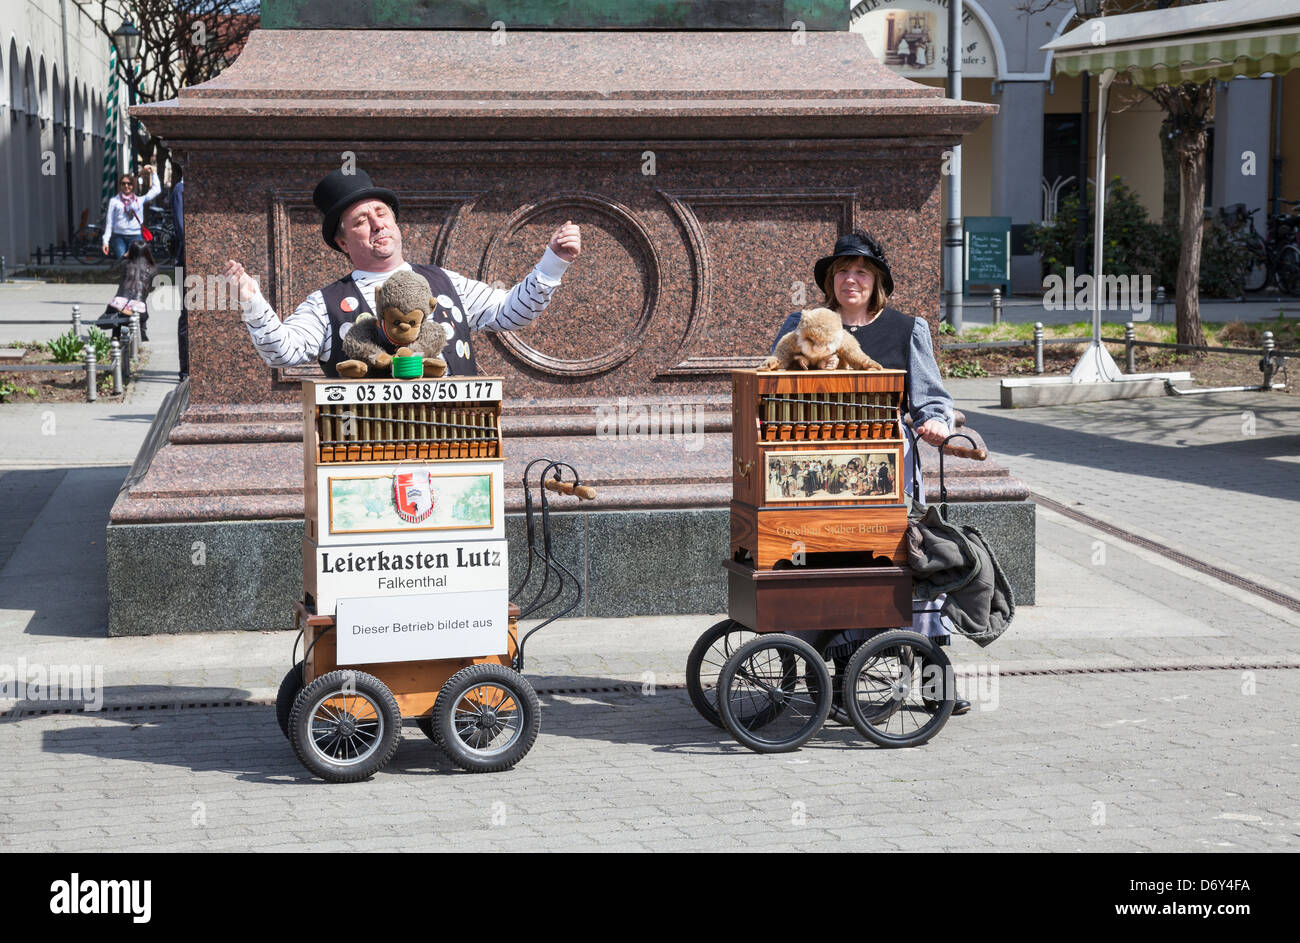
[(568, 487)]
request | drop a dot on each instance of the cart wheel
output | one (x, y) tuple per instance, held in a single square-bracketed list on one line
[(289, 689), (425, 724), (345, 726), (898, 689), (487, 717), (774, 693), (705, 661)]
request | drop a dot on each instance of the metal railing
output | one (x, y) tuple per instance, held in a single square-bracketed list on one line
[(1272, 359), (118, 365)]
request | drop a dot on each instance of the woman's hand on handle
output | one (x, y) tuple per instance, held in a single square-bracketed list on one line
[(933, 431)]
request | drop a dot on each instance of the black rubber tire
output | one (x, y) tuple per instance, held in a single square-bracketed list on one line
[(1288, 270), (289, 689), (365, 701), (895, 702), (750, 670), (425, 724), (703, 688), (453, 725)]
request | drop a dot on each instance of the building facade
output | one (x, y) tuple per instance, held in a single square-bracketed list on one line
[(52, 108), (1026, 158)]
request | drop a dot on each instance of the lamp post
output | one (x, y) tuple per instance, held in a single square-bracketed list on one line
[(1086, 10), (126, 40)]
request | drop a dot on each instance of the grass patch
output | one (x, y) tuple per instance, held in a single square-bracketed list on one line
[(1286, 332)]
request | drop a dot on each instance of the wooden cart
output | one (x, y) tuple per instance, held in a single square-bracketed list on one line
[(818, 571), (405, 609)]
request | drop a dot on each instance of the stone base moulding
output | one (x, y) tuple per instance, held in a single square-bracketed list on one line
[(246, 575)]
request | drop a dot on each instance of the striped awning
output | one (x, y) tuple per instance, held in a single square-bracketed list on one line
[(1196, 59), (1191, 43)]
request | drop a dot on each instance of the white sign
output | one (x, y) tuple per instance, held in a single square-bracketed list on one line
[(417, 628), (367, 570), (911, 37), (467, 390)]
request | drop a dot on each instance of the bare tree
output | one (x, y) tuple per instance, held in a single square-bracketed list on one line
[(182, 43)]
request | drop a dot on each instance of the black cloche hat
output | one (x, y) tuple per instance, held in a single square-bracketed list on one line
[(340, 190), (857, 244)]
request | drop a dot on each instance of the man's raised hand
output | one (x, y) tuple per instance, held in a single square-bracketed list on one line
[(241, 280), (566, 242)]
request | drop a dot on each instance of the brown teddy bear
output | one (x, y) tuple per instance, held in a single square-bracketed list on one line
[(404, 328), (820, 336)]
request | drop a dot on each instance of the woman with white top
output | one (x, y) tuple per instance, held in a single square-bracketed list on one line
[(126, 213)]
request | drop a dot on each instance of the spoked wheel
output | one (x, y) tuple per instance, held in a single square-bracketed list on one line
[(1255, 273), (705, 662), (345, 726), (289, 688), (487, 717), (1288, 270), (774, 693), (898, 689)]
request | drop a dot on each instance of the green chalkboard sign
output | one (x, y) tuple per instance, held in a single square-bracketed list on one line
[(987, 255)]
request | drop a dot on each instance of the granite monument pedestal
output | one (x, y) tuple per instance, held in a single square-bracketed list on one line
[(708, 170)]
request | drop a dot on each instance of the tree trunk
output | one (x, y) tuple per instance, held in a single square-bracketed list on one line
[(1169, 159), (1191, 173)]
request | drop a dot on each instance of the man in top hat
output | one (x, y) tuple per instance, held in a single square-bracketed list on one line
[(360, 220)]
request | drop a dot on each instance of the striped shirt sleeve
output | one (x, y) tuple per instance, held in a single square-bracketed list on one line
[(303, 337), (495, 309)]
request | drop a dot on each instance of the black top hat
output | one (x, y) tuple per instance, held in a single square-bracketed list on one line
[(857, 244), (340, 190)]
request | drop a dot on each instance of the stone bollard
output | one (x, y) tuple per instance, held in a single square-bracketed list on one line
[(997, 305), (76, 320), (1160, 304), (91, 379), (1130, 350), (135, 335), (1038, 347), (4, 270), (1266, 364), (115, 350)]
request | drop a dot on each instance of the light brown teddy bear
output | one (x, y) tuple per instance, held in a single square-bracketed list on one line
[(819, 337), (403, 328)]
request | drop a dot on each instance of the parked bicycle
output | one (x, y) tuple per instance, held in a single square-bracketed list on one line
[(1269, 261)]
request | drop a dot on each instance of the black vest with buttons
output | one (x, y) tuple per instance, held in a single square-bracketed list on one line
[(458, 353)]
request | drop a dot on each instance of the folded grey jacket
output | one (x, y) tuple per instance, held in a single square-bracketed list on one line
[(952, 559)]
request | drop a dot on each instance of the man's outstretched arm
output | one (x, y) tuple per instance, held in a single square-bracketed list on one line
[(298, 339), (495, 309)]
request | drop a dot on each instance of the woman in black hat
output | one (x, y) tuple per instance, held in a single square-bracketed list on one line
[(857, 282)]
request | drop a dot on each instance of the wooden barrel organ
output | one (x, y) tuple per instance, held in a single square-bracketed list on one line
[(817, 513), (405, 527)]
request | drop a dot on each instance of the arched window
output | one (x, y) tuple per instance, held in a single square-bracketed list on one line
[(43, 103), (56, 102), (15, 80), (29, 85)]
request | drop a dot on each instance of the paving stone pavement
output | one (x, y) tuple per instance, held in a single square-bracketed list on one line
[(1176, 761), (1215, 476)]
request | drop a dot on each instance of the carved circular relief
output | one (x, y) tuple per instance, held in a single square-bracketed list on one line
[(598, 317)]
